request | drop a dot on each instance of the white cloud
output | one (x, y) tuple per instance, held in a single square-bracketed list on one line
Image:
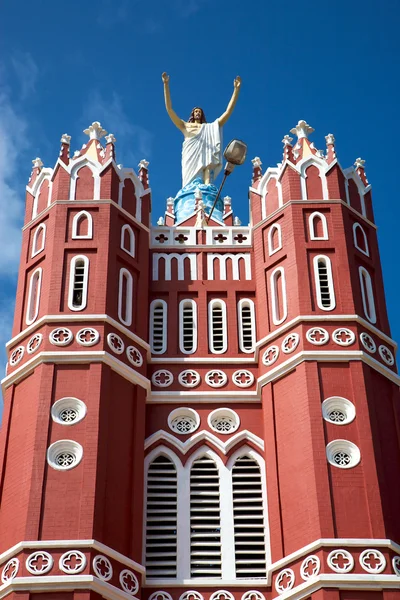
[(26, 71)]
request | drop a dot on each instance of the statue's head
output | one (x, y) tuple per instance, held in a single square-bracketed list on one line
[(197, 116)]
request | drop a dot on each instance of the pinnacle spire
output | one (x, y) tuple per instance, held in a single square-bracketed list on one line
[(302, 130)]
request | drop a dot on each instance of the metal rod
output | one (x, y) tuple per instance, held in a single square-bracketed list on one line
[(226, 173)]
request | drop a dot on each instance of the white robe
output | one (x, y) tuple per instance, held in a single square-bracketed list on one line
[(201, 151)]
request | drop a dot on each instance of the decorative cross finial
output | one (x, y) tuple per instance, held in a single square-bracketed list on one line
[(37, 163), (160, 221), (65, 139), (287, 140), (237, 222), (227, 201), (143, 164), (95, 131), (330, 139), (110, 138), (256, 162), (359, 163), (170, 201), (302, 130)]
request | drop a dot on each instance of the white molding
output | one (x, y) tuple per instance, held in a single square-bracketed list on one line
[(44, 175), (274, 227), (131, 249), (250, 303), (223, 258), (275, 296), (75, 223), (203, 359), (72, 268), (203, 436), (35, 251), (125, 274), (200, 397), (153, 306), (321, 165), (211, 582), (364, 235), (311, 226), (95, 168), (28, 318), (180, 258), (328, 265), (367, 294), (78, 317), (211, 345)]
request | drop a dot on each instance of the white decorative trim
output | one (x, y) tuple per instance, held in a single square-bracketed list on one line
[(129, 587), (155, 304), (189, 378), (211, 326), (290, 579), (180, 258), (253, 594), (183, 420), (83, 214), (302, 167), (134, 356), (16, 356), (80, 560), (81, 336), (311, 226), (243, 303), (337, 404), (277, 318), (47, 563), (161, 595), (345, 449), (223, 259), (367, 294), (238, 376), (204, 436), (35, 249), (386, 355), (126, 318), (191, 594), (396, 565), (131, 249), (364, 250), (317, 331), (216, 378), (32, 305), (64, 455), (81, 162), (162, 378), (182, 305), (34, 343), (44, 175), (350, 336), (74, 409), (377, 556), (290, 343), (10, 570), (271, 249), (343, 555), (315, 562), (368, 342), (274, 351), (332, 301), (72, 273), (227, 421), (222, 595), (62, 336), (102, 561), (116, 343)]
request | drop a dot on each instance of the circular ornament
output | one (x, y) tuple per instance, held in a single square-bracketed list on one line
[(290, 343), (34, 343), (243, 378), (340, 561), (310, 567), (368, 342), (161, 595), (396, 565), (64, 455), (115, 343), (222, 595), (162, 378), (129, 582), (62, 336), (386, 355), (16, 356), (253, 595), (270, 356), (189, 378), (284, 581), (87, 336), (317, 336), (134, 356), (372, 561), (343, 454), (102, 567), (343, 336), (223, 420), (216, 378), (72, 562), (191, 595), (10, 570), (39, 563), (183, 420)]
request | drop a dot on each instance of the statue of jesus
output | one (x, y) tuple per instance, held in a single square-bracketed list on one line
[(201, 150)]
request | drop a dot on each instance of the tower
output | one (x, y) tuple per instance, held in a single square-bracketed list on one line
[(200, 410)]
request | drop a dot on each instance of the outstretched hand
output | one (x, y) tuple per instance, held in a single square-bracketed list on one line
[(237, 82), (165, 77)]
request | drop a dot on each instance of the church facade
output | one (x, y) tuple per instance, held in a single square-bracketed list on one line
[(200, 410)]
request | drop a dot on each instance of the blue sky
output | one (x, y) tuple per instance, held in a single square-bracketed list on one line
[(63, 66)]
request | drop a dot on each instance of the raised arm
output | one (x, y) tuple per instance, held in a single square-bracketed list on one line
[(167, 96), (236, 88)]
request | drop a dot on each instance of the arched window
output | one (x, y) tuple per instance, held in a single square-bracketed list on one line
[(324, 283), (187, 326), (158, 326), (248, 516), (78, 283), (274, 239), (217, 331), (161, 519), (39, 239), (205, 519), (128, 240), (367, 294), (318, 226), (82, 226), (32, 308), (278, 296), (125, 298), (360, 239), (247, 325)]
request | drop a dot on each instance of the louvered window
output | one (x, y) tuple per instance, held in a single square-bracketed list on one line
[(248, 519), (324, 283), (158, 326), (161, 519), (205, 519), (187, 326), (78, 283), (246, 325), (217, 326)]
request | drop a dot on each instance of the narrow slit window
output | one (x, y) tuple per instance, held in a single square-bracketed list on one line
[(278, 296), (318, 226), (188, 326), (128, 240), (158, 326), (218, 340), (247, 326), (125, 299), (35, 283), (39, 239), (78, 283), (205, 520), (248, 518), (324, 283), (161, 519), (367, 294)]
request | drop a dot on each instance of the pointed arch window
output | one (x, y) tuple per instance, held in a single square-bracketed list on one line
[(188, 326), (39, 240), (32, 308), (278, 296), (247, 325), (318, 226), (78, 283), (158, 326), (274, 239), (125, 298), (205, 519), (367, 294), (360, 239), (324, 283), (161, 519), (128, 240), (82, 226), (217, 331)]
